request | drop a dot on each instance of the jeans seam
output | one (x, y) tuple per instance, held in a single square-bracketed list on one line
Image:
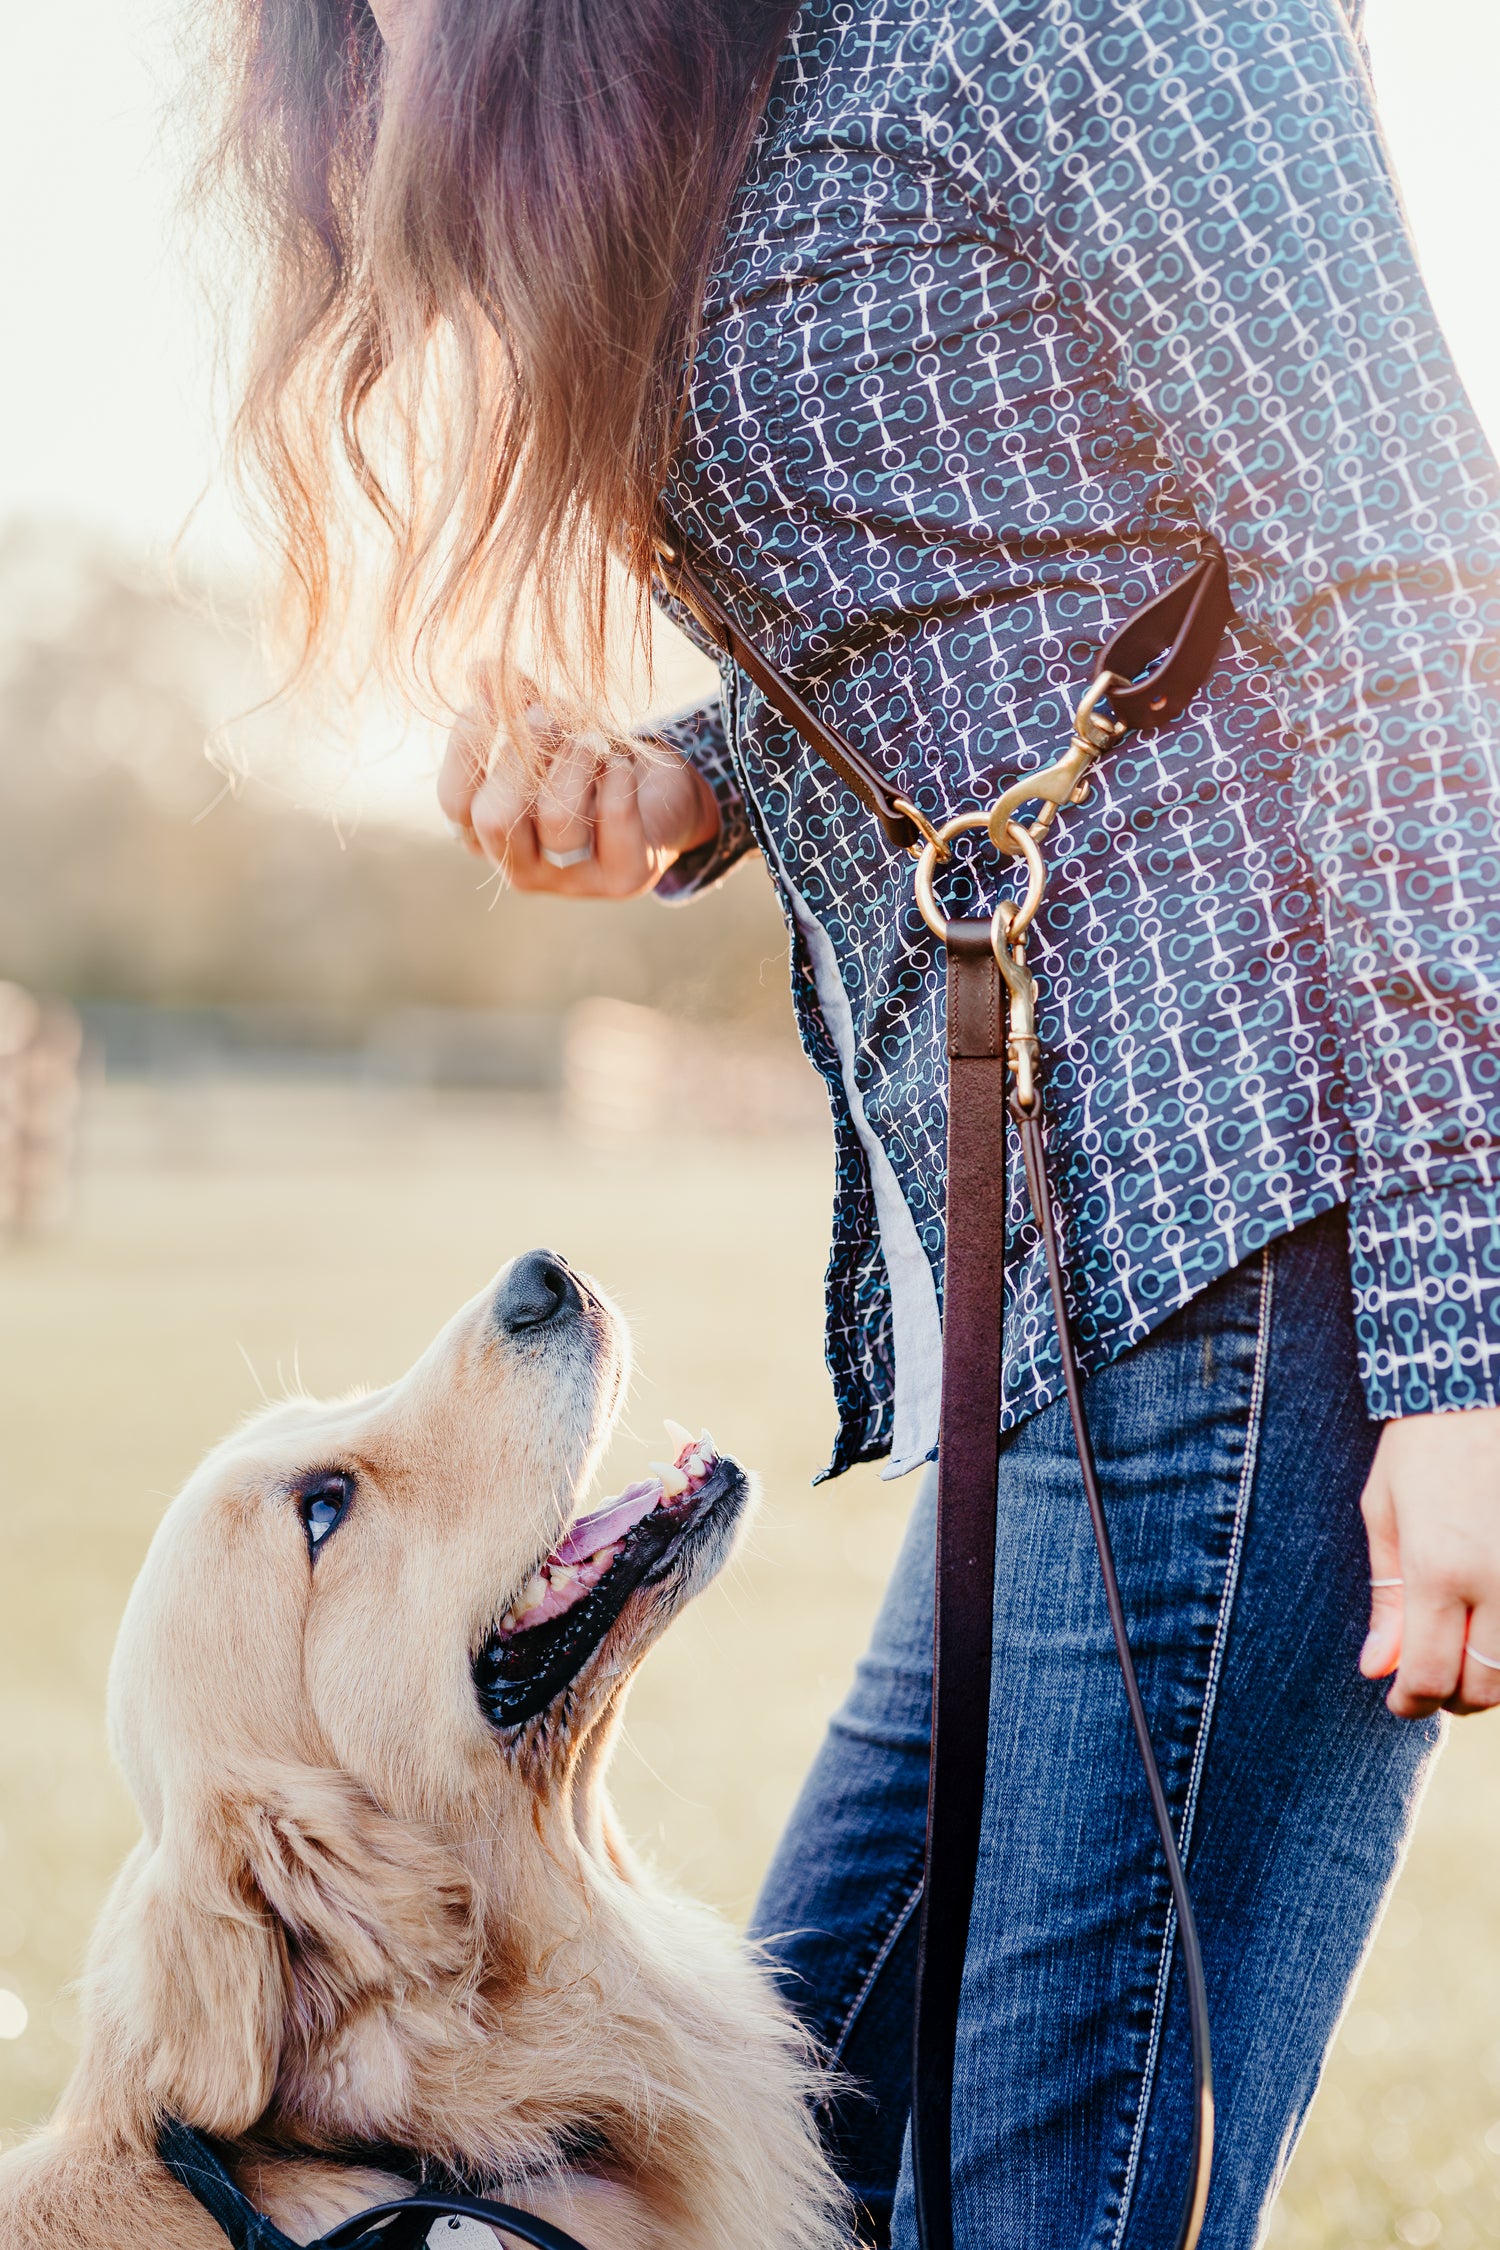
[(1200, 1748), (867, 1986)]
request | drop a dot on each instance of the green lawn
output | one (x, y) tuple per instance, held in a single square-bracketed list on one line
[(226, 1236)]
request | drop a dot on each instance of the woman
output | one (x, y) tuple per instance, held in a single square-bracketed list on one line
[(994, 311)]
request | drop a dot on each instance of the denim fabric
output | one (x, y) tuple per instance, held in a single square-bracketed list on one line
[(1019, 301), (1233, 1444)]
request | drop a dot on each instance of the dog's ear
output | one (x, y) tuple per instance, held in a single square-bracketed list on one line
[(371, 1906), (188, 1980), (277, 1913)]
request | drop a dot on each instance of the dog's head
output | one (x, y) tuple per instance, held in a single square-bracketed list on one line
[(366, 1634)]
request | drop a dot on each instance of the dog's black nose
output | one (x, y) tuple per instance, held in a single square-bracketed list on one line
[(537, 1288)]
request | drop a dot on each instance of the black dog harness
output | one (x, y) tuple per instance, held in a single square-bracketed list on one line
[(436, 2193)]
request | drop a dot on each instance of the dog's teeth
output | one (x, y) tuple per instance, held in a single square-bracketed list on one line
[(533, 1592), (679, 1438), (673, 1482), (561, 1573), (706, 1446), (696, 1466)]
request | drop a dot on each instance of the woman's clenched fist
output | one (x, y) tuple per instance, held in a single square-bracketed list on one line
[(599, 823)]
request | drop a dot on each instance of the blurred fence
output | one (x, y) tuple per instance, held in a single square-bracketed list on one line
[(497, 1050), (633, 1074), (40, 1047), (617, 1072)]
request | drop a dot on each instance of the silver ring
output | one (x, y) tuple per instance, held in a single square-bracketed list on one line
[(460, 831), (567, 859), (1376, 1582), (1490, 1663)]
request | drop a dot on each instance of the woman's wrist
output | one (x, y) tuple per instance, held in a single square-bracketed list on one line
[(710, 821)]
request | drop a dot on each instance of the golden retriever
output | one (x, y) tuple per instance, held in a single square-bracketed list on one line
[(364, 1694)]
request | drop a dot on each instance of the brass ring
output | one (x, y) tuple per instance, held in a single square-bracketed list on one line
[(1025, 848)]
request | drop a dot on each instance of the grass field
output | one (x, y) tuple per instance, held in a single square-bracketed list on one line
[(229, 1236)]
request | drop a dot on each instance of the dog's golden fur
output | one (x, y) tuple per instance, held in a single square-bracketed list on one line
[(361, 1914)]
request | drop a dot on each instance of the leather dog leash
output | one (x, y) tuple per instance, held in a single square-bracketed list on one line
[(1149, 671)]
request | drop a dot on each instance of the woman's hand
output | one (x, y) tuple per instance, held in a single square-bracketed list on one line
[(617, 820), (1432, 1516)]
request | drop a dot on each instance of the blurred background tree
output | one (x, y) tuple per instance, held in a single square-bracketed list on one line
[(133, 869)]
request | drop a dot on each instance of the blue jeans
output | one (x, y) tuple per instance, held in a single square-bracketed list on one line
[(1233, 1443)]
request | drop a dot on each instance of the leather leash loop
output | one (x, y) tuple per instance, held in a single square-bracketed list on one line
[(1178, 637), (968, 1482)]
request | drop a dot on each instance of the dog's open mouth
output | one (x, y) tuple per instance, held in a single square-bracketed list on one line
[(574, 1597)]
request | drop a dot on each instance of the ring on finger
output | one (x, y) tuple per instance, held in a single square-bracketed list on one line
[(574, 858), (1378, 1583), (1490, 1663)]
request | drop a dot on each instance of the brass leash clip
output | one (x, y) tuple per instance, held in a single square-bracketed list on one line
[(1021, 1051), (1064, 782)]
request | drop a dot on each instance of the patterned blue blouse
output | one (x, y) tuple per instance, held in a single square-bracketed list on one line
[(1019, 299)]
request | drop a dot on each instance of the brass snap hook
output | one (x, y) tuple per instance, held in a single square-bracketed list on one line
[(937, 848), (1065, 781), (1022, 1048)]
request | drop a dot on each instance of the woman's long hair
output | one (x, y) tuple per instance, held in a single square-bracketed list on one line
[(481, 257)]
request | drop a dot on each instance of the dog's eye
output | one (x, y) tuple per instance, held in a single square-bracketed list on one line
[(321, 1505)]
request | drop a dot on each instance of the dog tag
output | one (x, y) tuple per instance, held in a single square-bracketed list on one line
[(461, 2234)]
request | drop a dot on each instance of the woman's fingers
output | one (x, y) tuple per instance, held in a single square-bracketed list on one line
[(624, 864), (500, 816), (1382, 1650), (585, 815), (1479, 1686), (1417, 1619), (596, 825), (564, 811), (461, 775), (1434, 1626)]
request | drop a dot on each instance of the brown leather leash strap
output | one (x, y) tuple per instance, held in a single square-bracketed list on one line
[(873, 791), (968, 1474), (1149, 672)]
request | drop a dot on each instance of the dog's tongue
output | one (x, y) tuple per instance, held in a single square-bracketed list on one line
[(609, 1523)]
